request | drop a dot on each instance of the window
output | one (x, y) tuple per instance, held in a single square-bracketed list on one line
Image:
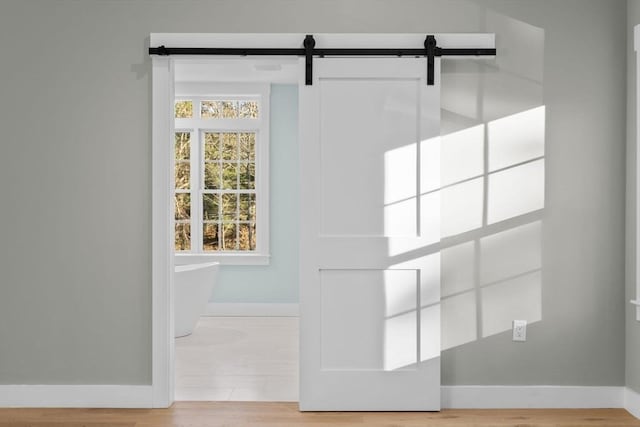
[(221, 148)]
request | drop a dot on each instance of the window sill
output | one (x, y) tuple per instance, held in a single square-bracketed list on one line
[(223, 259)]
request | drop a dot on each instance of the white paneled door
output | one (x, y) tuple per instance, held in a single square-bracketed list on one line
[(370, 233)]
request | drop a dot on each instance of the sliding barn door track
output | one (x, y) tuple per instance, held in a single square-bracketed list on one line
[(430, 51)]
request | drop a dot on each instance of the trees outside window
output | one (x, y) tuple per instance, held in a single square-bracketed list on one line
[(221, 185)]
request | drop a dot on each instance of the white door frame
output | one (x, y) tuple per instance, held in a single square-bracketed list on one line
[(162, 358)]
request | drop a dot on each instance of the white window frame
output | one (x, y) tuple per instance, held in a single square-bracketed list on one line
[(197, 126)]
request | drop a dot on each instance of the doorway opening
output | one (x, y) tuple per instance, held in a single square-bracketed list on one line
[(235, 229)]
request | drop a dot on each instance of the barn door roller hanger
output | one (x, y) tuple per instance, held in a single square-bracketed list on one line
[(430, 51)]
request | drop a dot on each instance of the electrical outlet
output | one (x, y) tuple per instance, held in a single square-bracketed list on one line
[(519, 330)]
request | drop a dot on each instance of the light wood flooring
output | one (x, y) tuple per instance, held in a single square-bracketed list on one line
[(269, 414), (239, 359)]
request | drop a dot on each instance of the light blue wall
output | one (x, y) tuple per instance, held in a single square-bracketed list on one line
[(278, 281)]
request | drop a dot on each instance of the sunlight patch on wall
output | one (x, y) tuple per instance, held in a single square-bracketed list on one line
[(492, 273), (458, 320), (511, 253), (462, 155), (516, 138), (458, 268), (516, 191), (462, 207)]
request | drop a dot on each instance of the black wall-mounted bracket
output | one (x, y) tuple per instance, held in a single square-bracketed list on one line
[(430, 51), (430, 46), (309, 43)]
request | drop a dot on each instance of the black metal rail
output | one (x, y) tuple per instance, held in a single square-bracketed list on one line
[(430, 51)]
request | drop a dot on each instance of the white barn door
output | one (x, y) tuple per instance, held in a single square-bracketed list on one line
[(370, 232)]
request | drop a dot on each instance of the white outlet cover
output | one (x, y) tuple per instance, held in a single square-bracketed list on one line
[(519, 330)]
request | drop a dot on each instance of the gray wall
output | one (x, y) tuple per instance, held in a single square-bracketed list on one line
[(580, 337), (278, 281), (75, 263), (632, 325)]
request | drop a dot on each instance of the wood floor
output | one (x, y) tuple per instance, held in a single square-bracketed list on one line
[(254, 414)]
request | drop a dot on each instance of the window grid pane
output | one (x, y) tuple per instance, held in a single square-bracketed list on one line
[(182, 145), (182, 206), (230, 175), (211, 146), (210, 207), (228, 196), (229, 109), (229, 146), (183, 109), (211, 109), (229, 221), (247, 146), (248, 109), (229, 236), (212, 175), (182, 175), (182, 236)]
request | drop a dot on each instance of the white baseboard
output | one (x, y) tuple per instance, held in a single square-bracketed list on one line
[(503, 397), (252, 309), (76, 396), (453, 397), (632, 402)]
